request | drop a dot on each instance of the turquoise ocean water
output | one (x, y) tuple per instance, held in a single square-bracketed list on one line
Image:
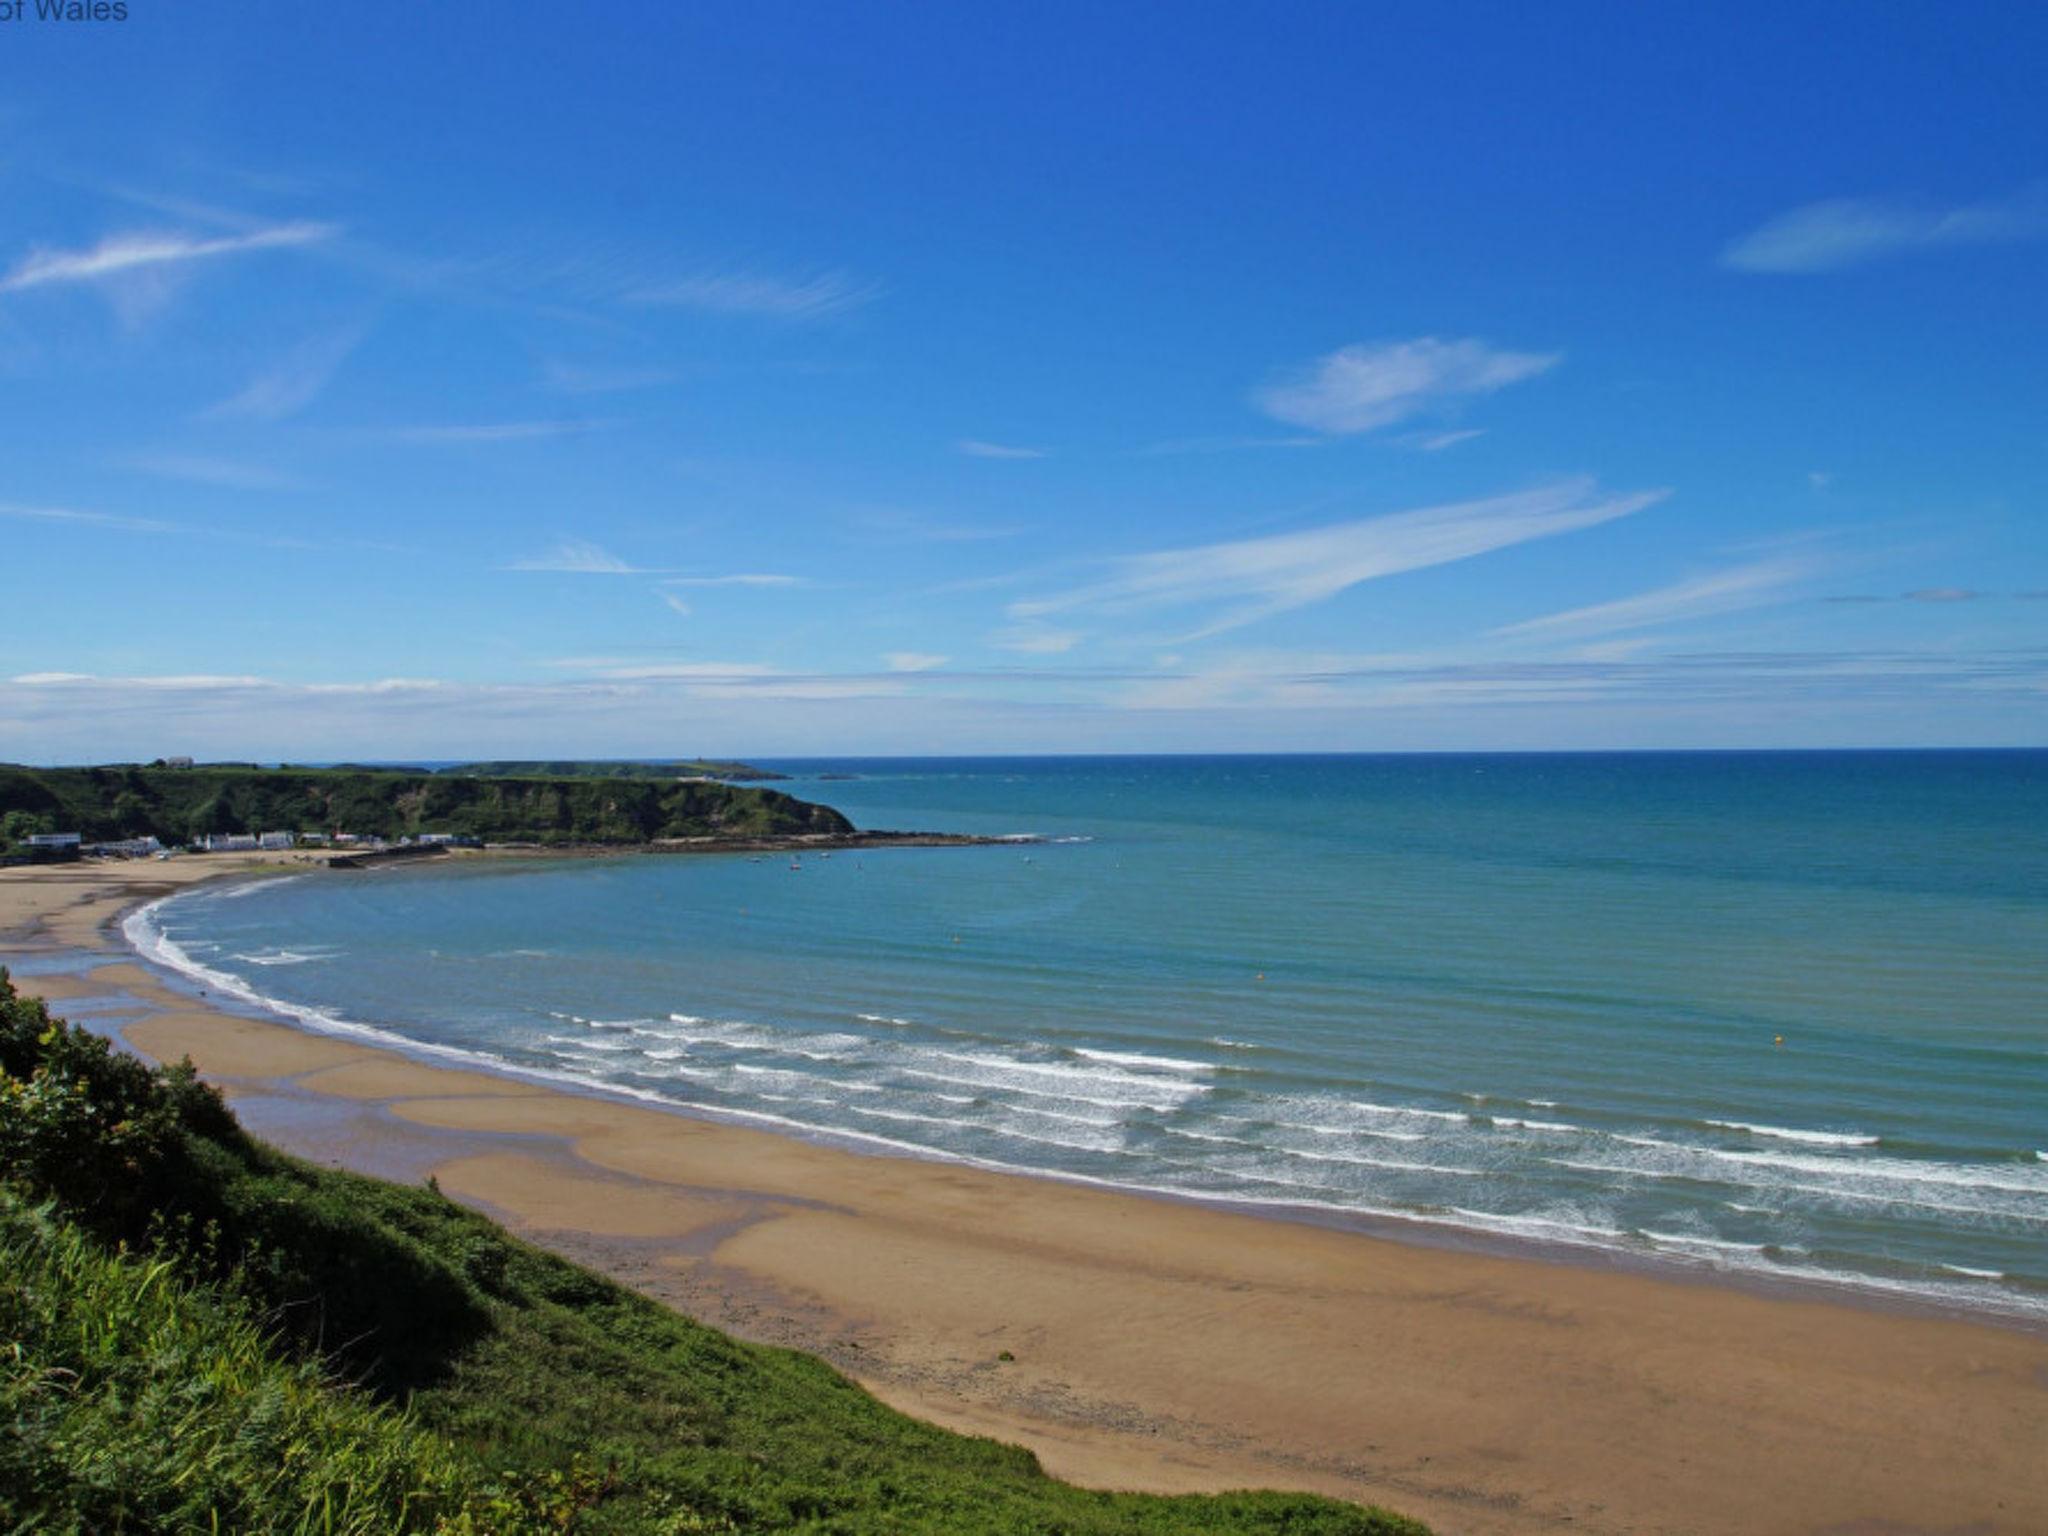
[(1534, 997)]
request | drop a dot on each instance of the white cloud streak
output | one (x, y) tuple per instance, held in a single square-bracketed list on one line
[(1361, 388), (498, 432), (975, 448), (913, 661), (1729, 591), (85, 519), (1035, 639), (578, 557), (755, 293), (577, 379), (1252, 579), (1437, 442), (1848, 231), (228, 473), (126, 253), (294, 382)]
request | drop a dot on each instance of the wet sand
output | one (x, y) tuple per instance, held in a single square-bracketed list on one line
[(1156, 1344)]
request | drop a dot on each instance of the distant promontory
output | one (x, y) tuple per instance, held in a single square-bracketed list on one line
[(180, 805)]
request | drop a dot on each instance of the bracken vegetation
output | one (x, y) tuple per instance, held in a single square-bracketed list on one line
[(198, 1333)]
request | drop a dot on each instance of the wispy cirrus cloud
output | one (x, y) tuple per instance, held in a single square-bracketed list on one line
[(1849, 231), (975, 448), (583, 379), (1177, 446), (1919, 595), (1732, 683), (758, 293), (739, 579), (1437, 442), (231, 474), (71, 515), (913, 527), (499, 431), (914, 661), (1943, 595), (127, 253), (1035, 639), (1751, 585), (292, 384), (1245, 580), (1364, 387), (579, 557)]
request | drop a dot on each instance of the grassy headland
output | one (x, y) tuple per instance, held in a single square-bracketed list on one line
[(179, 804), (207, 1334)]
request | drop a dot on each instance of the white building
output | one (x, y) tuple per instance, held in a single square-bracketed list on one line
[(272, 842), (130, 847), (227, 842)]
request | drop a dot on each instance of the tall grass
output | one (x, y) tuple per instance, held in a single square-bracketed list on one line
[(136, 1401)]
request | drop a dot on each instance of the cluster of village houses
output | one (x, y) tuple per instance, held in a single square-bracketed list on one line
[(71, 845)]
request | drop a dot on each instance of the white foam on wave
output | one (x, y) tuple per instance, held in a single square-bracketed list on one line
[(1054, 1114), (1368, 1132), (1623, 1170), (1456, 1115), (955, 1124), (1535, 1125), (1143, 1062), (288, 956), (1689, 1240), (1396, 1164), (1891, 1170), (1545, 1228), (1065, 1096), (1967, 1191), (1786, 1133), (1173, 1088), (250, 888)]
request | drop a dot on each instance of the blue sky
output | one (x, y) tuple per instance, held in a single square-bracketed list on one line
[(389, 380)]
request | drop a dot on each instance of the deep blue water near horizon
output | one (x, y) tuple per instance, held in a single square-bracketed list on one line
[(1536, 996)]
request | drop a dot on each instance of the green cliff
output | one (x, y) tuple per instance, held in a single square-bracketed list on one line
[(179, 804)]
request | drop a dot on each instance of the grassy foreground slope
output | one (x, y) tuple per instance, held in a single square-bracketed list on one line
[(177, 804), (181, 1307)]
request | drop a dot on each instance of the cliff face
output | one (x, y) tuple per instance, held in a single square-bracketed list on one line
[(178, 804)]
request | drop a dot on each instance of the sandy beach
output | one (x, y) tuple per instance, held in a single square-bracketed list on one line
[(1139, 1343)]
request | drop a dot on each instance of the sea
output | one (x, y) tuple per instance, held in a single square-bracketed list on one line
[(1781, 1016)]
